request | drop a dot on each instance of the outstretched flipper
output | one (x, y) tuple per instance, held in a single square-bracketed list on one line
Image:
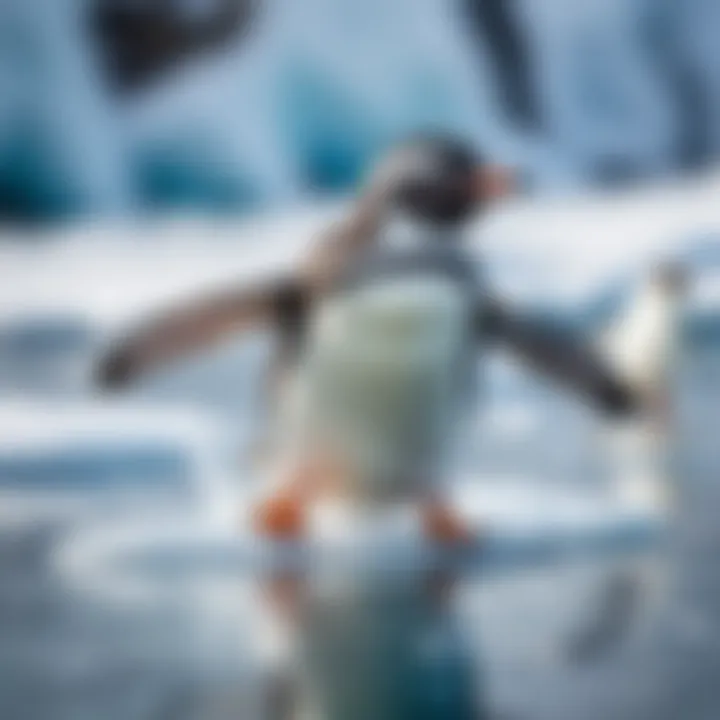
[(546, 347), (280, 301), (195, 327)]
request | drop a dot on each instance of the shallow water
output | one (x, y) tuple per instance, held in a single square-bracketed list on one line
[(65, 655)]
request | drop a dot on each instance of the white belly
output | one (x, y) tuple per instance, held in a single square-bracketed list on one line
[(382, 383)]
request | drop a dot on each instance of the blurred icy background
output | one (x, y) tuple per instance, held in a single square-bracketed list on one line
[(149, 150), (113, 106)]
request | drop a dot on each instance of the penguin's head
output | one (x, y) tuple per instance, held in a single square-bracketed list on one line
[(438, 180)]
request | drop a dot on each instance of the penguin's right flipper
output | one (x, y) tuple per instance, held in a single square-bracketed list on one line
[(198, 325)]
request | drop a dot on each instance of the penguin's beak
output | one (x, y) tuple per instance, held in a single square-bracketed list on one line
[(494, 182)]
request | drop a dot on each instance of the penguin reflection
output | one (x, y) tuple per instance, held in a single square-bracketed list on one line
[(387, 646)]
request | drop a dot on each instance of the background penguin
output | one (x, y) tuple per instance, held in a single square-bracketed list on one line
[(643, 346)]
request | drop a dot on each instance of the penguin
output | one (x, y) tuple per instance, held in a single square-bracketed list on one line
[(377, 330), (642, 343), (643, 346)]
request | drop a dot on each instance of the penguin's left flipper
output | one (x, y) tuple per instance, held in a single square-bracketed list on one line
[(641, 344)]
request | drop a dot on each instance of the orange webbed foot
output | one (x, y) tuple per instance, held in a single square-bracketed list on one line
[(281, 517), (443, 525)]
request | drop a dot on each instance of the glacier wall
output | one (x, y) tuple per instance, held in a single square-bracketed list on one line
[(572, 92)]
